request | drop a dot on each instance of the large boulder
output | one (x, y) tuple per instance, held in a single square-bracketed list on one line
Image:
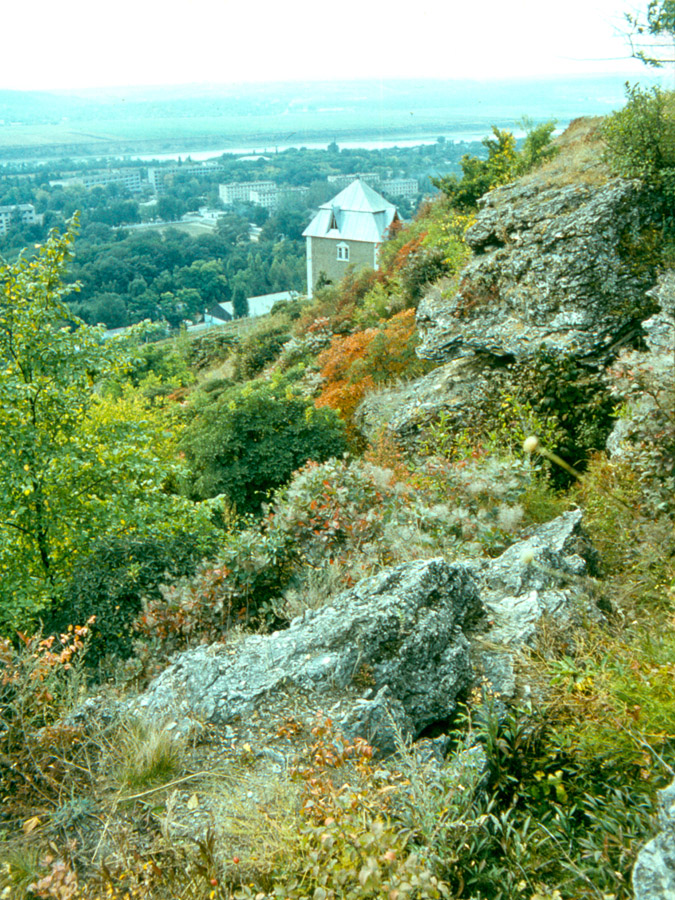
[(561, 267), (654, 871), (391, 655), (395, 641)]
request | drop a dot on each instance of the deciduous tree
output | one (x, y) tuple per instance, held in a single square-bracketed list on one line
[(75, 463)]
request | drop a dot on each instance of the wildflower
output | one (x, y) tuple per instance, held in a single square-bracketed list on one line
[(527, 556), (531, 444)]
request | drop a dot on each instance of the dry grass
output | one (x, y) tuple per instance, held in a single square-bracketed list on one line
[(256, 820), (148, 754), (579, 160)]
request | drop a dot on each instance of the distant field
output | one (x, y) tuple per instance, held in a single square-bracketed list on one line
[(142, 121), (197, 132)]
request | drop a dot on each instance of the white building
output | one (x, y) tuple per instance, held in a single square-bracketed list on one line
[(129, 178), (260, 306), (240, 191), (158, 174), (407, 188), (25, 212), (347, 231)]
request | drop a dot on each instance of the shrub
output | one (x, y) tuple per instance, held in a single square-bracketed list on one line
[(40, 683), (354, 365), (239, 587), (567, 404), (331, 509), (347, 845), (640, 138), (503, 163), (111, 582), (253, 438), (258, 350)]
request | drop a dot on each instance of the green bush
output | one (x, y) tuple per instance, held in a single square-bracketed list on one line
[(239, 587), (332, 509), (424, 267), (504, 163), (258, 350), (572, 402), (640, 138), (112, 580), (253, 438)]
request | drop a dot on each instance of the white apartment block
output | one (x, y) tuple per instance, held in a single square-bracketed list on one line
[(407, 188), (157, 174), (262, 193), (25, 212), (267, 196), (129, 178), (240, 191)]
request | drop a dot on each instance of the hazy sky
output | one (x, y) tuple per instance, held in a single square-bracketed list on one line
[(93, 43)]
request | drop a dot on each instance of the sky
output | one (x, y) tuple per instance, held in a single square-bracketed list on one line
[(92, 44)]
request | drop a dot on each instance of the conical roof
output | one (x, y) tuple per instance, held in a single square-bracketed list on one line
[(359, 197), (358, 213)]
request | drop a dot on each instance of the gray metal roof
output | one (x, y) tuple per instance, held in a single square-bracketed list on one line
[(358, 213)]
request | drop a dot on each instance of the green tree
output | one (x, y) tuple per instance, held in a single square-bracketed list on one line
[(640, 138), (504, 162), (652, 34), (239, 303), (254, 437), (75, 463)]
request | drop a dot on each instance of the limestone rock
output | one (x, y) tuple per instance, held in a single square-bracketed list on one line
[(645, 379), (459, 388), (553, 267), (401, 629), (391, 655), (536, 577), (654, 871)]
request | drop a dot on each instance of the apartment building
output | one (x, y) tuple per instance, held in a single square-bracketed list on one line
[(129, 178), (240, 191), (25, 212), (158, 174), (406, 188)]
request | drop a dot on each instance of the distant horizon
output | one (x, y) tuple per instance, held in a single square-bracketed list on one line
[(647, 75)]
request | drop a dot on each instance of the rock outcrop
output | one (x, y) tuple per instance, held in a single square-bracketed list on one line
[(396, 641), (392, 654), (563, 264), (645, 433), (654, 871), (562, 267)]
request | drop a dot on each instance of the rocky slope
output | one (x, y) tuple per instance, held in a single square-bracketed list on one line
[(561, 262)]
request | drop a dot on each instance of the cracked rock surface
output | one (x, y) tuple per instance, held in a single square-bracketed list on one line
[(392, 654)]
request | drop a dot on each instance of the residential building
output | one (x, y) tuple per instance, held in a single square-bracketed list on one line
[(240, 191), (406, 188), (24, 212), (219, 313), (158, 174), (347, 231), (342, 181), (130, 178)]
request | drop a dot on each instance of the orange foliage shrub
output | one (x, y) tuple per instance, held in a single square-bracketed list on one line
[(355, 364)]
